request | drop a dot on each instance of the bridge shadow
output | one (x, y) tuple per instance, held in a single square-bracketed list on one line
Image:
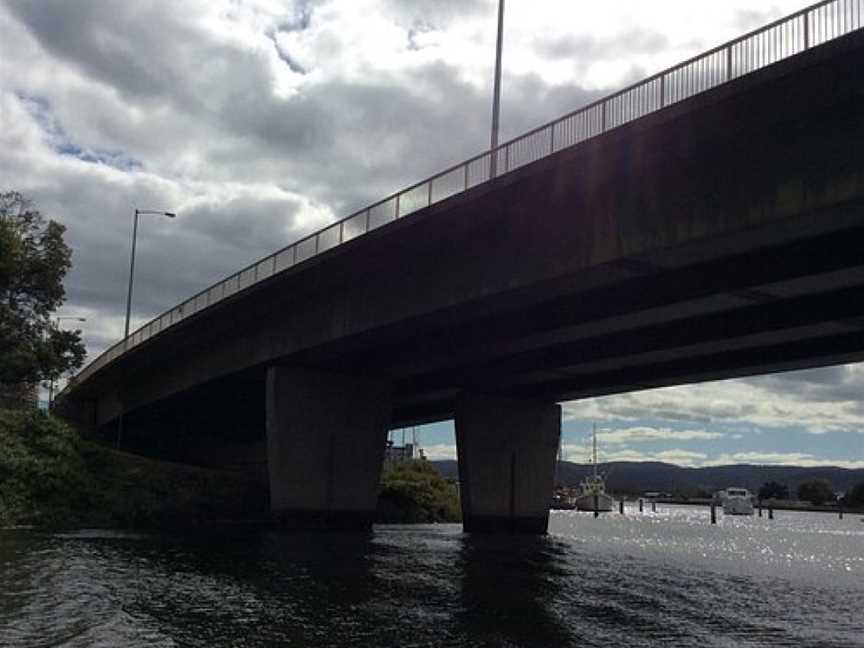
[(509, 588)]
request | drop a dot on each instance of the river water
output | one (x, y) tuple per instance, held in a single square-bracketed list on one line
[(664, 579)]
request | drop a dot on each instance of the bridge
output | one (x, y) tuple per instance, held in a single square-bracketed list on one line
[(704, 223)]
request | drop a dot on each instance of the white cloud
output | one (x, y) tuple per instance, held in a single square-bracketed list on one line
[(641, 434), (440, 451), (779, 459), (694, 459), (819, 401)]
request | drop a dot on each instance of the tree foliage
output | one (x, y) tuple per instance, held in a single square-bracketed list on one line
[(42, 476), (34, 259), (816, 491), (855, 495), (773, 490), (413, 491)]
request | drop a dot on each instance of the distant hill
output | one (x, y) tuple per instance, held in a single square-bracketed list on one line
[(638, 477)]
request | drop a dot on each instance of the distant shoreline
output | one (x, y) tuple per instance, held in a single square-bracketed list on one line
[(777, 506)]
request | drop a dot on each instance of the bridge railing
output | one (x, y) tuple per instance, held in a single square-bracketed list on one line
[(786, 37)]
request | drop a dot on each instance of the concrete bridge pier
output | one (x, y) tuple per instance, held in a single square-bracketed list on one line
[(325, 445), (507, 451)]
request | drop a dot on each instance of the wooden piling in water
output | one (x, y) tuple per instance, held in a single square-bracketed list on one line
[(640, 505), (841, 512), (653, 507), (621, 506), (770, 512), (596, 505), (713, 513)]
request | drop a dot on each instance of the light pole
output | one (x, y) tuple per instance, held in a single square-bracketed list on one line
[(496, 93), (138, 212), (57, 321)]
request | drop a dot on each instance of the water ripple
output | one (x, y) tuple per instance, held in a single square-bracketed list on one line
[(660, 579)]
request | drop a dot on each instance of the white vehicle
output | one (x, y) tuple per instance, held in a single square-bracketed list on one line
[(592, 491), (737, 501)]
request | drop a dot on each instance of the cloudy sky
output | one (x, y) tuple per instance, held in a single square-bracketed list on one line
[(261, 120)]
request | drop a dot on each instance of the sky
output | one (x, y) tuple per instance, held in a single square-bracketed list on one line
[(259, 121)]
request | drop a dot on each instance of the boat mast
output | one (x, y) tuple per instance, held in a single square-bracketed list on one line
[(595, 451)]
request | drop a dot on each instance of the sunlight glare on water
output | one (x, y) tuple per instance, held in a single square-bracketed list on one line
[(655, 579)]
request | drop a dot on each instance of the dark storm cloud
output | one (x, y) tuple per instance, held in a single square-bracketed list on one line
[(106, 40), (177, 258)]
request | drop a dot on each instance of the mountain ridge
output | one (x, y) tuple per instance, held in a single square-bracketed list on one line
[(641, 476)]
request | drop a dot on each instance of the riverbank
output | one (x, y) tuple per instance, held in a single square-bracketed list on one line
[(50, 477)]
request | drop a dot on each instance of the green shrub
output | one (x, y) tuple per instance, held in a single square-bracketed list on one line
[(855, 496), (43, 479), (413, 491)]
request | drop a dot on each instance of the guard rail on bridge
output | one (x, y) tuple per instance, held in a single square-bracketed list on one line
[(779, 40)]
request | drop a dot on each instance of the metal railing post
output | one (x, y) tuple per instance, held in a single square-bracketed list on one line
[(729, 63), (806, 30), (398, 196)]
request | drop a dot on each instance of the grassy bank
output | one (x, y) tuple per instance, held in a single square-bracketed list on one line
[(50, 477)]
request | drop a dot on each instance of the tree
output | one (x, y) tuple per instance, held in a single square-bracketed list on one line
[(413, 491), (855, 495), (34, 259), (773, 490), (816, 491)]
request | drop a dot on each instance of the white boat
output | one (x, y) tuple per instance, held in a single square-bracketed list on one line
[(592, 491), (737, 501)]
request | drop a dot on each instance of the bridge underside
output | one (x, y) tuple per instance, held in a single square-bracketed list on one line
[(720, 237), (790, 306)]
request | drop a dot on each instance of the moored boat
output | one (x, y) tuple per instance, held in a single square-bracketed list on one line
[(737, 501), (592, 494)]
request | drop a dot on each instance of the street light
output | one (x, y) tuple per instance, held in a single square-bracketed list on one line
[(496, 93), (138, 212), (57, 321)]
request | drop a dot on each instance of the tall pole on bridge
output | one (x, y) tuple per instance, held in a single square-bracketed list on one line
[(138, 212), (496, 93)]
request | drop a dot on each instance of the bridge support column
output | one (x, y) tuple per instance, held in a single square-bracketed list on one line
[(325, 445), (507, 451)]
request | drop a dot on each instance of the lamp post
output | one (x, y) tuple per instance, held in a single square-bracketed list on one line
[(57, 321), (138, 212), (496, 93)]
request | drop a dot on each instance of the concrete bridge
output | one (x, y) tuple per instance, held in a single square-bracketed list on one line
[(706, 223)]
